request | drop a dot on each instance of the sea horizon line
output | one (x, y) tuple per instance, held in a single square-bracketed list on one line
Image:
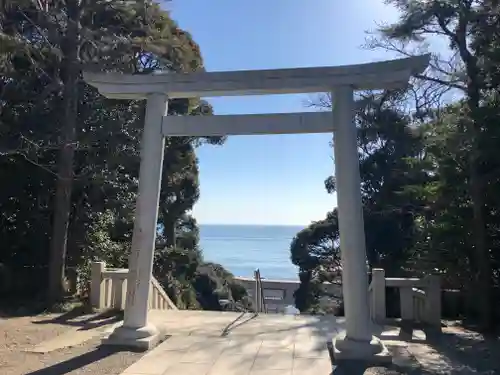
[(253, 225)]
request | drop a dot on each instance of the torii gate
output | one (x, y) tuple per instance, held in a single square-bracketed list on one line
[(342, 81)]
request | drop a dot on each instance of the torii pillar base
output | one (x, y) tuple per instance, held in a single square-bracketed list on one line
[(372, 352)]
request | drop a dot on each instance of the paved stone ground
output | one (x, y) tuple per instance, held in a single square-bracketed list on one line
[(212, 343), (209, 343), (215, 343)]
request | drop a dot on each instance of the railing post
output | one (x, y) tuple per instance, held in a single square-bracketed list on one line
[(96, 289), (258, 294), (117, 293), (406, 303), (378, 295), (433, 302)]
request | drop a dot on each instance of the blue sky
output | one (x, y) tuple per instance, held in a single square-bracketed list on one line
[(274, 179)]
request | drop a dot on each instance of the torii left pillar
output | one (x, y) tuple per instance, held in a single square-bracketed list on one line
[(136, 331)]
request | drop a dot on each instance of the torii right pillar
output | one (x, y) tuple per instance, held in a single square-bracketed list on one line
[(357, 343)]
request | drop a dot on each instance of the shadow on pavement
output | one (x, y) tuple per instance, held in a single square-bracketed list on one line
[(78, 362), (236, 323), (86, 323)]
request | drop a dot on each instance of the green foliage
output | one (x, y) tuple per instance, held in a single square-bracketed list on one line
[(430, 181), (308, 294), (390, 167), (315, 248), (40, 76), (213, 283), (194, 284)]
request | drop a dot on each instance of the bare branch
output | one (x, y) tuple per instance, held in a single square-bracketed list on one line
[(38, 165)]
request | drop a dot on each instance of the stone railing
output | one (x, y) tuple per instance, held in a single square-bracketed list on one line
[(278, 294), (420, 299), (108, 289)]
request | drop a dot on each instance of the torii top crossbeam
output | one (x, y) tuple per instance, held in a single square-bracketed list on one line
[(370, 76)]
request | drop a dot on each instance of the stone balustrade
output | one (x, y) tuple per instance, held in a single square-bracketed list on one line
[(108, 289), (420, 299)]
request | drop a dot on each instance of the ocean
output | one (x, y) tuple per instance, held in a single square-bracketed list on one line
[(243, 248)]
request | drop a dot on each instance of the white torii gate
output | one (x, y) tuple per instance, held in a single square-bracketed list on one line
[(341, 81)]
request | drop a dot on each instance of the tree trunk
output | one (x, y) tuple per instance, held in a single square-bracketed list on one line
[(483, 261), (482, 251), (476, 187), (169, 232), (70, 74)]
